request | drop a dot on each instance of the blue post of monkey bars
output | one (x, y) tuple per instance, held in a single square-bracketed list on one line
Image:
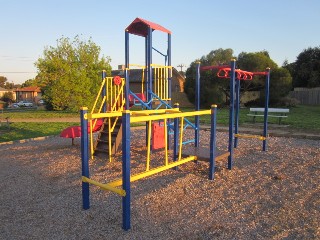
[(231, 114), (266, 104), (197, 106), (213, 141)]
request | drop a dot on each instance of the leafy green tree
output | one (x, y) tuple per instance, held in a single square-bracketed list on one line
[(305, 70), (212, 88), (29, 83), (69, 74)]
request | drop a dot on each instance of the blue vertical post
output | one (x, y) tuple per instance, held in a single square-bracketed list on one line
[(231, 113), (213, 141), (169, 84), (266, 106), (126, 213), (170, 71), (127, 86), (175, 136), (149, 75), (104, 91), (197, 106), (149, 65), (85, 157), (237, 108), (146, 76)]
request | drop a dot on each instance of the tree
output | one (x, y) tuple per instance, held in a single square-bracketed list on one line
[(280, 78), (305, 70), (69, 74), (7, 97), (29, 83), (2, 81), (212, 88)]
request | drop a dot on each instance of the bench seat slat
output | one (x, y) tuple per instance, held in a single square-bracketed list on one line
[(254, 115)]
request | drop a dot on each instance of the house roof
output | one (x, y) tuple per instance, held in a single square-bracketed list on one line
[(29, 89), (140, 27)]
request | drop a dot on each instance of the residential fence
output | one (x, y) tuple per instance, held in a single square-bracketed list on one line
[(306, 96)]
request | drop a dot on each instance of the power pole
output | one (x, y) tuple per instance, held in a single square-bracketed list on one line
[(181, 66)]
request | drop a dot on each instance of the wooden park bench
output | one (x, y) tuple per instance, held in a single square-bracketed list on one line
[(272, 112)]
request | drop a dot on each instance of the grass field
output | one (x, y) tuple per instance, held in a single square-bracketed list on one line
[(23, 130), (305, 118)]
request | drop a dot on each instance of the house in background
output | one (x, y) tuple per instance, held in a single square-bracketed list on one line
[(31, 94)]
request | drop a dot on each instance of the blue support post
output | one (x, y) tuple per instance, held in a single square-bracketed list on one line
[(197, 106), (85, 157), (237, 108), (213, 141), (146, 76), (170, 71), (149, 65), (104, 91), (126, 169), (266, 106), (127, 86), (175, 136), (169, 84), (149, 76), (231, 114)]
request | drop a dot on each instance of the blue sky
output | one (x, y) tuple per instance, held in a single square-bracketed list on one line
[(282, 27)]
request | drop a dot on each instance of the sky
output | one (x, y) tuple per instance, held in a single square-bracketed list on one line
[(282, 27)]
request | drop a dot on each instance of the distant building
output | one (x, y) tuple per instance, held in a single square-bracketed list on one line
[(4, 90), (31, 94)]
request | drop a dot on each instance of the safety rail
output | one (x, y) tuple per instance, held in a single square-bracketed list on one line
[(113, 98), (161, 76)]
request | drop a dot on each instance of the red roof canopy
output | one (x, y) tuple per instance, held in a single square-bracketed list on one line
[(140, 27)]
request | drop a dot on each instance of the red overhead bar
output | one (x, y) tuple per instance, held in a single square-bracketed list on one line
[(224, 72), (140, 27)]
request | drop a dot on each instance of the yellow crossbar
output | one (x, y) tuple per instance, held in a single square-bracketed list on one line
[(153, 171), (121, 192), (104, 115), (250, 136), (168, 116)]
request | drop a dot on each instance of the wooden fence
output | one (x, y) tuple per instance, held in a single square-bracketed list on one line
[(306, 96)]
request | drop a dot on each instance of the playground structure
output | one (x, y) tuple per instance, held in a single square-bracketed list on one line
[(235, 76), (114, 101), (114, 108)]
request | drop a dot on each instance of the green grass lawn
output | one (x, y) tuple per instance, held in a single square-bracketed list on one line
[(14, 114), (24, 130), (301, 117)]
